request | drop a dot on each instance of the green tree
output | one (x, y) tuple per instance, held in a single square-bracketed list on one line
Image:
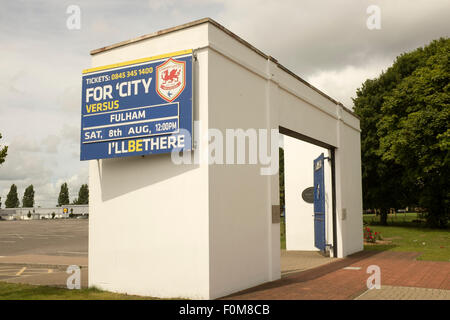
[(63, 197), (281, 173), (83, 195), (12, 199), (3, 152), (415, 131), (405, 139), (28, 197)]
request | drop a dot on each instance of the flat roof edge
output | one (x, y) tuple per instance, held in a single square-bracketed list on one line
[(151, 35), (233, 35)]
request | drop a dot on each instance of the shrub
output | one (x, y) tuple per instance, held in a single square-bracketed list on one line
[(371, 236)]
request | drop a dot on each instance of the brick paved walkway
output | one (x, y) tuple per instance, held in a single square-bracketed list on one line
[(332, 281)]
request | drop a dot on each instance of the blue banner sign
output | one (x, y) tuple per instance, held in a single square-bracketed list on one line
[(138, 107)]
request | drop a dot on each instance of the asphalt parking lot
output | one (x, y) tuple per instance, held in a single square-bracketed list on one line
[(39, 251), (13, 271), (60, 237)]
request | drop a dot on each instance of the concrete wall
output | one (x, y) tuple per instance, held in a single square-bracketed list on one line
[(161, 248), (296, 106), (200, 231), (348, 186), (239, 199), (304, 111), (298, 172)]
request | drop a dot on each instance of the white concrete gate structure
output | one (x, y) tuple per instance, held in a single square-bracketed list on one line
[(206, 231)]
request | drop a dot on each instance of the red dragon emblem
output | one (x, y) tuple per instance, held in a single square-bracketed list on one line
[(170, 79), (170, 76)]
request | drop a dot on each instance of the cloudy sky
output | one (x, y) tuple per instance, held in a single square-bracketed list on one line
[(325, 42)]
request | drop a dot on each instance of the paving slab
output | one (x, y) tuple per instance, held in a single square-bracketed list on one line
[(295, 261), (405, 293)]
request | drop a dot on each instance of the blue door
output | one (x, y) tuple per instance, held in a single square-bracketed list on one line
[(319, 203)]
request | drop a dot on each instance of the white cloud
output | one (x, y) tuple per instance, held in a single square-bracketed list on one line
[(341, 84), (23, 144), (45, 163), (311, 35), (51, 143), (326, 42)]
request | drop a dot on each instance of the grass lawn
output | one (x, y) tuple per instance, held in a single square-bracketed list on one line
[(282, 233), (12, 291), (406, 235), (399, 219)]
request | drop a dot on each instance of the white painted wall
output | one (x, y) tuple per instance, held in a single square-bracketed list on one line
[(299, 175), (149, 224), (200, 231), (296, 106), (304, 111), (348, 186), (240, 238)]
